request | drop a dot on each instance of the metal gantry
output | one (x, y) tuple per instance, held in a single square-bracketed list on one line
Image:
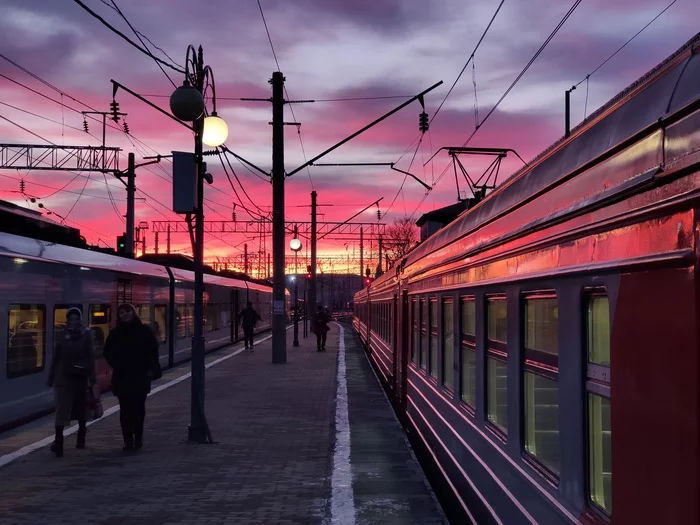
[(55, 158), (371, 230)]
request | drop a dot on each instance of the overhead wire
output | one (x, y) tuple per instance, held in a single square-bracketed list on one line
[(116, 7), (127, 39), (526, 68), (286, 94), (625, 44)]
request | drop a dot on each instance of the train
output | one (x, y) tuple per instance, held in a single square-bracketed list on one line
[(496, 337), (41, 280)]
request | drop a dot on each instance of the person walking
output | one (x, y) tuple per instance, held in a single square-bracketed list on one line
[(249, 318), (71, 373), (320, 328), (131, 350)]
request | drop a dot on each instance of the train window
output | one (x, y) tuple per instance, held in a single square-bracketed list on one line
[(468, 350), (433, 350), (144, 313), (99, 321), (448, 343), (599, 330), (496, 362), (160, 322), (424, 336), (26, 339), (415, 340), (541, 389), (598, 402), (59, 315)]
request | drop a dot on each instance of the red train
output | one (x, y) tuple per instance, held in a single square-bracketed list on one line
[(496, 338)]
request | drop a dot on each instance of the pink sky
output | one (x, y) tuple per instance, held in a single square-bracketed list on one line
[(326, 49)]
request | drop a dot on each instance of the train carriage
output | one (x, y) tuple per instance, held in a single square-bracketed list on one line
[(41, 280), (508, 323)]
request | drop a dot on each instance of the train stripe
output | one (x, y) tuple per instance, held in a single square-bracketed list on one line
[(527, 476)]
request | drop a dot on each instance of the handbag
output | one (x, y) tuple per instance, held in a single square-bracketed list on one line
[(95, 410)]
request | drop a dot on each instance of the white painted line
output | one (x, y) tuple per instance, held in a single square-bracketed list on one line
[(342, 499), (28, 449)]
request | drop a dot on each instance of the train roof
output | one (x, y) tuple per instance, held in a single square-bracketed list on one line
[(666, 89), (33, 249)]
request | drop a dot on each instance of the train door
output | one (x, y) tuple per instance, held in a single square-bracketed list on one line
[(233, 315)]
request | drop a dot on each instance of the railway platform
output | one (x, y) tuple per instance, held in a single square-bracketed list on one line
[(313, 441)]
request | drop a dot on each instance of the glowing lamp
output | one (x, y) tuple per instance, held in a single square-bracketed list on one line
[(215, 131), (186, 103), (295, 244)]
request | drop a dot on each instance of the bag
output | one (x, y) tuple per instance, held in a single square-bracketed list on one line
[(94, 409)]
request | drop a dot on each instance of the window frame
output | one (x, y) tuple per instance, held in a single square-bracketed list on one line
[(36, 370), (467, 343), (447, 301), (597, 382), (433, 348), (424, 357), (415, 332), (543, 364), (498, 351)]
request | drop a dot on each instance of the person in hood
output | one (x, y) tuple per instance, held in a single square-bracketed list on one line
[(249, 318), (131, 350), (72, 371)]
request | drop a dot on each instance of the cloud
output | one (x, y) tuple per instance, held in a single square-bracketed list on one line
[(327, 49)]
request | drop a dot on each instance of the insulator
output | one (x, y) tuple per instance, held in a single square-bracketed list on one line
[(126, 127), (114, 107), (85, 126), (379, 215), (21, 186), (423, 122)]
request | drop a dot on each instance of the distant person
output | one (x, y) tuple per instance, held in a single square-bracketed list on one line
[(131, 350), (72, 372), (248, 318), (320, 327)]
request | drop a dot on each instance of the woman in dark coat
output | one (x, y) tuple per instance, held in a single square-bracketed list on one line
[(131, 350), (72, 371)]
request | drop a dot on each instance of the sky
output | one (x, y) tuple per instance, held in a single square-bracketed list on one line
[(326, 49)]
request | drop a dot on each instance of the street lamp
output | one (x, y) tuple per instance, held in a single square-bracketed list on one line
[(187, 104), (295, 245)]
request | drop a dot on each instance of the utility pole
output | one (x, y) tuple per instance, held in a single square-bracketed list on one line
[(279, 336), (245, 258), (130, 206), (168, 241), (155, 246), (380, 256), (312, 289), (362, 253)]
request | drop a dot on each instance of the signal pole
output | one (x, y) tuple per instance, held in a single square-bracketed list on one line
[(130, 206), (279, 336)]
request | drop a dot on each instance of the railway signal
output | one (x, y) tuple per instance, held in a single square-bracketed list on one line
[(121, 244)]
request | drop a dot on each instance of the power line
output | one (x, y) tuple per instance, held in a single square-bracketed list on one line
[(268, 35), (341, 99), (625, 44), (286, 94), (134, 44), (116, 7), (471, 57), (525, 69)]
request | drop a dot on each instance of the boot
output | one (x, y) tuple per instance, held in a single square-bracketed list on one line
[(82, 431), (57, 446)]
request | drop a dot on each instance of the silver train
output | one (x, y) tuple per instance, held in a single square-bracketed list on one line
[(41, 280)]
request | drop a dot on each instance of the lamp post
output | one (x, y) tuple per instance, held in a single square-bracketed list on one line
[(295, 245), (187, 104)]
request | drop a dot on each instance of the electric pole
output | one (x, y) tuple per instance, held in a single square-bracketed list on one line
[(130, 206), (312, 289), (279, 336)]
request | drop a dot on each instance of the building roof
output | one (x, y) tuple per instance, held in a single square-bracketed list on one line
[(443, 215)]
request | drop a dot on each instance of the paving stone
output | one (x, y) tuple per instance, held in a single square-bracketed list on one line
[(274, 428)]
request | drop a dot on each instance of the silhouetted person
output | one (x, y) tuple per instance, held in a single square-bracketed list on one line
[(72, 371), (320, 327), (131, 350), (249, 318)]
